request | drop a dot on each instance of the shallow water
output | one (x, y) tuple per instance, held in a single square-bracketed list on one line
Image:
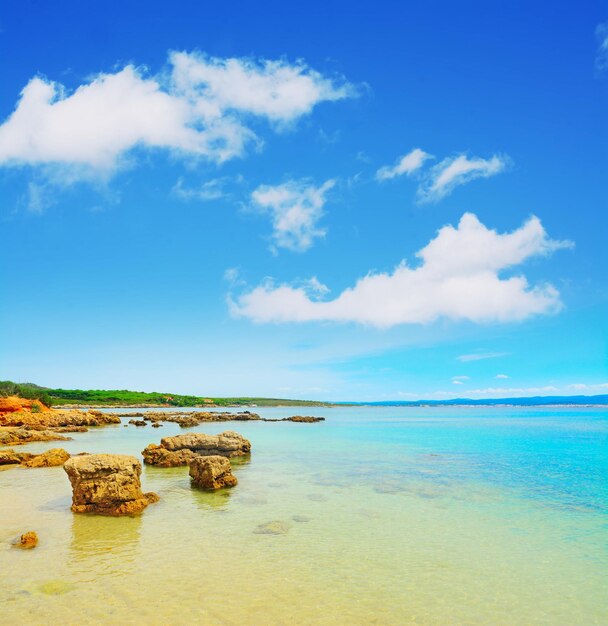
[(387, 516)]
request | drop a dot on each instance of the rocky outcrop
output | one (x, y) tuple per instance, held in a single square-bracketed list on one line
[(57, 418), (18, 436), (107, 484), (51, 458), (212, 472), (138, 422), (182, 449), (188, 420), (304, 419), (10, 457)]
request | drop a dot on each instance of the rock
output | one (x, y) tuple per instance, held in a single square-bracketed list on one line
[(28, 540), (272, 528), (51, 458), (301, 518), (107, 484), (182, 449), (156, 425), (57, 418), (212, 472), (304, 419), (10, 457), (18, 436), (138, 422)]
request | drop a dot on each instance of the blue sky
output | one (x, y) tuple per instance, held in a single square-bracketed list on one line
[(333, 201)]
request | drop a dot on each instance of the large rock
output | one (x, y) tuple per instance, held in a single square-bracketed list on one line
[(183, 449), (10, 457), (58, 418), (212, 472), (50, 458), (107, 484)]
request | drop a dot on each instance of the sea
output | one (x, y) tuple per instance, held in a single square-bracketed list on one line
[(378, 515)]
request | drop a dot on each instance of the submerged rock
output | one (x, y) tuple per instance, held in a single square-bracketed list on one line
[(212, 472), (272, 528), (183, 449), (50, 458), (107, 484), (28, 540)]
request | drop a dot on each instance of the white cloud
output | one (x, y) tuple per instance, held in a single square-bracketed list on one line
[(457, 382), (213, 189), (407, 164), (480, 356), (444, 177), (460, 277), (501, 376), (504, 391), (585, 387), (601, 60), (38, 198), (295, 208), (202, 107)]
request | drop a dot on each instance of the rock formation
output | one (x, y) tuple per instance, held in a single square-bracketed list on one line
[(107, 484), (182, 449), (10, 457), (18, 436), (50, 458), (49, 419), (28, 540), (212, 472)]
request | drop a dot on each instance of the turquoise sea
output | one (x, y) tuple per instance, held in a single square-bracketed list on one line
[(389, 516)]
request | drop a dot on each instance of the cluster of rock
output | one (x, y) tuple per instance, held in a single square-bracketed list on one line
[(17, 436), (182, 449), (58, 420), (107, 484)]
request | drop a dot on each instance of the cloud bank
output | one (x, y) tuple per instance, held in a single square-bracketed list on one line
[(201, 106), (295, 208), (458, 278), (452, 172), (407, 164)]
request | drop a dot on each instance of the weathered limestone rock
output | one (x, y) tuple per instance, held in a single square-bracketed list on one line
[(28, 540), (18, 436), (305, 419), (58, 418), (182, 449), (107, 484), (10, 457), (138, 422), (212, 472), (50, 458)]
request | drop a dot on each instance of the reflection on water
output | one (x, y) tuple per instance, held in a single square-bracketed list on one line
[(96, 537), (377, 516)]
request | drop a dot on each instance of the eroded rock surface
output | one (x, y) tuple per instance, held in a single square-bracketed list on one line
[(58, 418), (51, 458), (10, 457), (18, 436), (28, 540), (212, 472), (182, 449), (107, 484)]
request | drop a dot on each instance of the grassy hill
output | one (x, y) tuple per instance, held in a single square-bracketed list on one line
[(124, 397)]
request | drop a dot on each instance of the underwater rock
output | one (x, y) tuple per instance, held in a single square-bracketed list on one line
[(276, 527), (50, 458), (212, 472), (301, 518), (182, 449), (107, 484)]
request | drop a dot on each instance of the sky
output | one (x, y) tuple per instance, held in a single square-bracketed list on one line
[(323, 200)]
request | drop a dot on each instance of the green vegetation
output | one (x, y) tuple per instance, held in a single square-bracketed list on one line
[(25, 390), (124, 397)]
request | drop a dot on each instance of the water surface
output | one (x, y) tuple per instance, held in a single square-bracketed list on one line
[(390, 516)]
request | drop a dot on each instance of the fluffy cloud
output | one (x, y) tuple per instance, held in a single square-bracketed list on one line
[(407, 164), (459, 380), (459, 277), (202, 106), (444, 177), (295, 208), (503, 376)]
